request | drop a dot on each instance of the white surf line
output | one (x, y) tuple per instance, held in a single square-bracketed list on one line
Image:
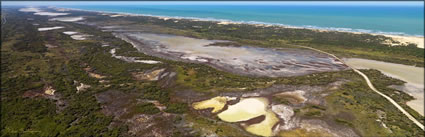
[(373, 88)]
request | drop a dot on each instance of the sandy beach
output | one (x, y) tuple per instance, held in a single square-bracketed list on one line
[(404, 40)]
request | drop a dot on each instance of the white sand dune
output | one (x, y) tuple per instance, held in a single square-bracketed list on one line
[(147, 61), (41, 12), (50, 14), (68, 19), (405, 40), (80, 37), (50, 28), (402, 39), (30, 9), (132, 59), (61, 9), (117, 15), (70, 32)]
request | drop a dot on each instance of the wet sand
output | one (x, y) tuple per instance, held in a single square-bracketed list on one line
[(414, 76)]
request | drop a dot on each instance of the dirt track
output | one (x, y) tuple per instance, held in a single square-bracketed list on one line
[(369, 83)]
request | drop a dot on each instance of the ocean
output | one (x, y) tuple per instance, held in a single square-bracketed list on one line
[(390, 19)]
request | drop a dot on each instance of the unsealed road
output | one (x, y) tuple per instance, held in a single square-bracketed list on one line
[(373, 88)]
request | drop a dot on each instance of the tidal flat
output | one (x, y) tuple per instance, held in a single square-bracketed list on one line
[(239, 59), (135, 94)]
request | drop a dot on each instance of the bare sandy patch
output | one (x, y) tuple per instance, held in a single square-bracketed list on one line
[(94, 75), (117, 15), (82, 87), (50, 28), (405, 40), (70, 32), (131, 59), (148, 61), (50, 13), (61, 9), (37, 11), (30, 9), (153, 75), (67, 19), (49, 90), (50, 46), (80, 37)]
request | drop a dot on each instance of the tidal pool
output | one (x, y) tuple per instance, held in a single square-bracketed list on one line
[(264, 128), (244, 60), (414, 76), (217, 103), (245, 109)]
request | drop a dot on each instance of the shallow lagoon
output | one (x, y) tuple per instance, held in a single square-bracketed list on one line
[(246, 109), (265, 127), (217, 103), (244, 60)]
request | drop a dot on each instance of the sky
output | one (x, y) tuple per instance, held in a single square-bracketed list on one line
[(327, 3)]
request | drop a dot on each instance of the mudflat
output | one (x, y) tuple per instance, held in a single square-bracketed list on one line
[(239, 59)]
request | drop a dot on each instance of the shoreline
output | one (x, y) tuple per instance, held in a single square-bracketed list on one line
[(255, 23)]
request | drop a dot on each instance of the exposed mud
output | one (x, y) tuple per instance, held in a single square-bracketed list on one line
[(239, 59)]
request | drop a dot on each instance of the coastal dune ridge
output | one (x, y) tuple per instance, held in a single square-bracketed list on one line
[(123, 69), (400, 37)]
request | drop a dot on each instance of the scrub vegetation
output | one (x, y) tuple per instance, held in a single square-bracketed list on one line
[(28, 67)]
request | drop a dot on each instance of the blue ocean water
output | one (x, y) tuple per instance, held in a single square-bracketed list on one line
[(394, 19)]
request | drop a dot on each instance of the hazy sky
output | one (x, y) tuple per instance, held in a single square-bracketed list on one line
[(339, 3)]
